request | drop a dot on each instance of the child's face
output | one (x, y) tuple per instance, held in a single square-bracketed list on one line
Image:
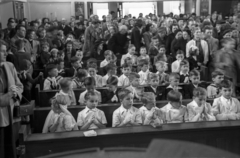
[(218, 79), (92, 72), (109, 56), (185, 68), (162, 51), (54, 54), (208, 33), (69, 47), (195, 79), (53, 72), (135, 82), (132, 50), (144, 68), (61, 65), (174, 82), (79, 54), (45, 48), (92, 102), (90, 88), (161, 68), (154, 82), (129, 61), (201, 100), (150, 104), (112, 87), (155, 42), (143, 51), (112, 72), (76, 64), (126, 71), (226, 92), (127, 102), (234, 33), (179, 57)]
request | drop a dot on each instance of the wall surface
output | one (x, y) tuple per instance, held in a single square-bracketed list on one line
[(6, 11)]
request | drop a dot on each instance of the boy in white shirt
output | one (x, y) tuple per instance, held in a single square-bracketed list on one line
[(226, 107), (92, 71), (108, 56), (151, 115), (213, 90), (174, 111), (123, 79), (161, 67), (77, 81), (176, 64), (143, 54), (134, 86), (199, 109), (90, 84), (91, 117), (111, 71), (131, 52), (144, 73), (52, 81), (126, 114)]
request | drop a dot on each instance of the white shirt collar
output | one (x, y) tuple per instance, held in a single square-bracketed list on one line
[(225, 99), (181, 73), (122, 109), (87, 109)]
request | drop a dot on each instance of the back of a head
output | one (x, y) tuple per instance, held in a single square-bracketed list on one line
[(123, 93), (89, 81), (133, 75), (194, 73), (112, 80), (174, 76), (148, 97), (81, 73), (199, 91), (19, 44), (174, 96), (90, 93), (65, 83)]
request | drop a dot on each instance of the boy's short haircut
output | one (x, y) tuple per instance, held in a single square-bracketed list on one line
[(179, 52), (90, 93), (174, 96), (143, 62), (131, 46), (113, 80), (89, 81), (64, 83), (143, 47), (58, 100), (154, 38), (54, 49), (226, 40), (51, 67), (194, 73), (123, 93), (173, 76), (107, 52), (81, 73), (111, 67), (19, 43), (216, 73), (148, 97), (133, 75), (74, 59), (199, 91), (162, 46), (207, 28), (154, 76), (91, 60), (125, 65), (93, 65), (226, 84), (160, 63), (184, 62), (45, 43)]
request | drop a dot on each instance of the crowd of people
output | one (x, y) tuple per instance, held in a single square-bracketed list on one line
[(142, 59)]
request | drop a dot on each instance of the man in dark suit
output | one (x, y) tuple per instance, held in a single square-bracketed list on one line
[(65, 28), (136, 36)]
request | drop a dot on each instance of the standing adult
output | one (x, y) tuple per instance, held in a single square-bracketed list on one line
[(136, 36), (10, 94), (147, 36)]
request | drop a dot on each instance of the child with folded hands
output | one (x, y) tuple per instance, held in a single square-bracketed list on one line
[(91, 117), (126, 114), (151, 115)]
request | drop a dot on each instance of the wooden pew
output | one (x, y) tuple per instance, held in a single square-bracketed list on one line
[(220, 134), (40, 114)]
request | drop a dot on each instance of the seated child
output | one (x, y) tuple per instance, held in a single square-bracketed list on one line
[(79, 55), (154, 48), (154, 87), (44, 54), (111, 71), (176, 64), (134, 86), (151, 115), (213, 90), (174, 82), (144, 73), (92, 72), (108, 55), (193, 58), (161, 68), (59, 118), (126, 114), (79, 79), (128, 60), (52, 81), (90, 84), (110, 95), (194, 83), (174, 111), (54, 56), (161, 56), (123, 79), (226, 107), (91, 117), (66, 90), (143, 55), (131, 52), (75, 65), (199, 109), (60, 66), (184, 69), (61, 55)]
